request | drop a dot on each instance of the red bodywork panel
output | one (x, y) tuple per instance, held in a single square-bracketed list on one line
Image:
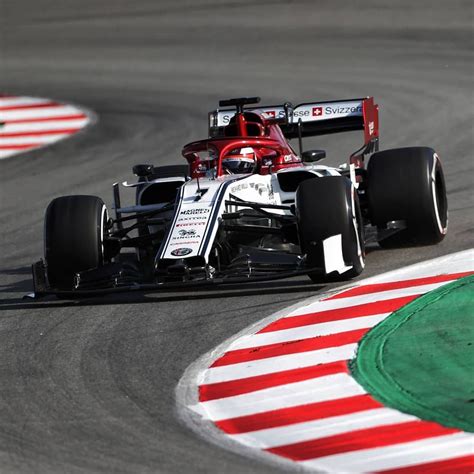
[(370, 112), (370, 115), (272, 149)]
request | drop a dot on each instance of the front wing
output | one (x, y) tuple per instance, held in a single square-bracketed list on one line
[(115, 284)]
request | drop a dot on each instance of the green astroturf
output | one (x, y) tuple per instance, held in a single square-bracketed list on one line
[(420, 360)]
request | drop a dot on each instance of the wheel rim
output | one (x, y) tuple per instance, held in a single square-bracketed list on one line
[(439, 197), (103, 223), (358, 229)]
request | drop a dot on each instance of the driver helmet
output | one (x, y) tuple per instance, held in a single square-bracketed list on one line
[(240, 161)]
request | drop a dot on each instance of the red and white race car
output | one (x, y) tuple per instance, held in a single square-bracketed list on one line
[(248, 206)]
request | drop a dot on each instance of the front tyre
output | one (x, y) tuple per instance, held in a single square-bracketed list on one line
[(326, 207), (75, 228)]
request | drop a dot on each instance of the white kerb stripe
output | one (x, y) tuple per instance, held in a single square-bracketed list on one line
[(32, 139), (243, 370), (339, 303), (453, 263), (19, 101), (321, 389), (43, 126), (10, 152), (398, 455), (43, 112), (300, 432), (307, 332)]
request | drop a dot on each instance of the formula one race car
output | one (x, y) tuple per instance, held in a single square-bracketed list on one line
[(248, 207)]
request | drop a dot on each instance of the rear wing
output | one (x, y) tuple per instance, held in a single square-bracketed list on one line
[(314, 118)]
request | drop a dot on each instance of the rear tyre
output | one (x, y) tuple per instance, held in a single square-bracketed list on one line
[(74, 236), (325, 207), (408, 184)]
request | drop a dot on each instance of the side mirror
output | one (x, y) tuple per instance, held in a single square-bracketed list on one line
[(143, 171), (311, 156)]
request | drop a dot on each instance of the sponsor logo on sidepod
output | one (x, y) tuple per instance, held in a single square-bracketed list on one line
[(202, 210), (183, 232), (181, 252)]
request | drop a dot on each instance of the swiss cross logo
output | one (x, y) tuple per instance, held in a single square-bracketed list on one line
[(271, 113), (317, 111)]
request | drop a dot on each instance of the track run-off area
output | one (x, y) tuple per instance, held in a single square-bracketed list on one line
[(284, 386), (90, 386), (436, 330)]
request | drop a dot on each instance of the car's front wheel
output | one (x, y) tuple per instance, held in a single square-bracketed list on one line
[(328, 207), (75, 228)]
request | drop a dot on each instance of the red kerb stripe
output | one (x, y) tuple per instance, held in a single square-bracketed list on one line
[(396, 285), (20, 147), (366, 309), (292, 347), (362, 439), (214, 391), (298, 414), (30, 106), (461, 465)]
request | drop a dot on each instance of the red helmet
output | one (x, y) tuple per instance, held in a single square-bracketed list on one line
[(240, 161)]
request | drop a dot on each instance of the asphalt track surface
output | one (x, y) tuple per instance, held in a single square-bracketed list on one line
[(90, 387)]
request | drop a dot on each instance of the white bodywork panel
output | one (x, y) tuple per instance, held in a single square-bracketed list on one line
[(333, 258), (310, 112), (197, 218), (202, 202)]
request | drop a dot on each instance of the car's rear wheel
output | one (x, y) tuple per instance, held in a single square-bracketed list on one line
[(326, 207), (75, 228), (407, 184)]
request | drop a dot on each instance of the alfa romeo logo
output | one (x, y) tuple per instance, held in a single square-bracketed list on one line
[(181, 252)]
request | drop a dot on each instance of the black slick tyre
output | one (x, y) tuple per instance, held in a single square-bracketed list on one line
[(326, 207), (74, 236), (407, 184)]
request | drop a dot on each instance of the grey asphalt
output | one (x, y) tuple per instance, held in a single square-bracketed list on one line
[(90, 387)]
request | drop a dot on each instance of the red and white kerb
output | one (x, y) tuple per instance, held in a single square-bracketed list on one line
[(286, 389), (27, 123)]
